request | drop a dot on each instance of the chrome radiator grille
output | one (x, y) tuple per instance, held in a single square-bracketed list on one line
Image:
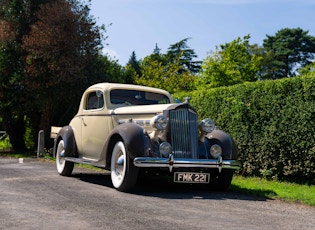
[(184, 133)]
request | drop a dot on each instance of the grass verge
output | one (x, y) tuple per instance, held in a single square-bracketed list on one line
[(303, 194)]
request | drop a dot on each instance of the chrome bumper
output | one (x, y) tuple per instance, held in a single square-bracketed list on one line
[(171, 162)]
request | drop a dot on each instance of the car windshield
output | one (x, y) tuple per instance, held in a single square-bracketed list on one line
[(135, 97)]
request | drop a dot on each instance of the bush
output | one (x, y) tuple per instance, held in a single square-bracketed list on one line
[(272, 123)]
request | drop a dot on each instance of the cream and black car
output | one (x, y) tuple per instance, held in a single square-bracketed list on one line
[(130, 129)]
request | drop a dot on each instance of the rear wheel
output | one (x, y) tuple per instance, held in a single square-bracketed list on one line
[(123, 172), (64, 167)]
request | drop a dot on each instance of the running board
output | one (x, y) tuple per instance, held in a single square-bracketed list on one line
[(84, 161)]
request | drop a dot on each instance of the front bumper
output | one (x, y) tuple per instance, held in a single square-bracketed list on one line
[(171, 162)]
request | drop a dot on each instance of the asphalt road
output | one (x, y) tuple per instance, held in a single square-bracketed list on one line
[(33, 196)]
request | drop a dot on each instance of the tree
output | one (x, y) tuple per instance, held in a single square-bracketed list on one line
[(185, 54), (231, 64), (286, 52), (60, 46), (15, 17), (57, 42), (132, 68), (172, 77), (308, 70), (174, 71), (105, 69)]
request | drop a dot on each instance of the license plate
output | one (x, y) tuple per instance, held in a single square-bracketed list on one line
[(190, 177)]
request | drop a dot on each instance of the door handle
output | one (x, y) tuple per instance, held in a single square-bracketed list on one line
[(83, 121)]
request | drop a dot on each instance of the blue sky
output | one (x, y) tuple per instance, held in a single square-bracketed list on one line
[(138, 25)]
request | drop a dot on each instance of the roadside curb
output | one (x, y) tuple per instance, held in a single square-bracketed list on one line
[(20, 160)]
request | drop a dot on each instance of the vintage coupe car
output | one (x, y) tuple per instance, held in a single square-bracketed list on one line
[(130, 129)]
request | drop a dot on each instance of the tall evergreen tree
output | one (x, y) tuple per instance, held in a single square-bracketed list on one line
[(286, 52), (132, 68), (185, 54), (134, 63), (158, 56), (156, 50)]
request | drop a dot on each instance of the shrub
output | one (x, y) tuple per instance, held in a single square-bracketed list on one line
[(272, 123)]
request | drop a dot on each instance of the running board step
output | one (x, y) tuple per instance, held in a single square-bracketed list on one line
[(84, 161)]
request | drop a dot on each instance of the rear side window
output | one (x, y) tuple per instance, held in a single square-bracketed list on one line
[(95, 100)]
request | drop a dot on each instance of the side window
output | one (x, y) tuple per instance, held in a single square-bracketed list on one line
[(95, 100)]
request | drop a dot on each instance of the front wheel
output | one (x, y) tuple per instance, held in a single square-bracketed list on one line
[(64, 167), (123, 172)]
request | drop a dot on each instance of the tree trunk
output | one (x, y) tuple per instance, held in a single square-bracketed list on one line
[(14, 125), (45, 122)]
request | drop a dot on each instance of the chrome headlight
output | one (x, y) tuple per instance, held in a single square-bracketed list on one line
[(215, 151), (159, 122), (165, 149), (206, 125)]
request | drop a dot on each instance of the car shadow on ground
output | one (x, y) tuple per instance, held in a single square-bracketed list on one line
[(164, 187)]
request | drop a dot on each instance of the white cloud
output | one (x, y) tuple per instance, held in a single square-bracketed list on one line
[(111, 53)]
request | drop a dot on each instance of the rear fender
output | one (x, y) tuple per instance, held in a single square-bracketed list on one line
[(67, 135)]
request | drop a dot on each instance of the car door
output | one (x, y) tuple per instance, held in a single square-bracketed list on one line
[(95, 125)]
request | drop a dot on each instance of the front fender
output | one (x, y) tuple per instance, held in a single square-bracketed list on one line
[(225, 141), (134, 136), (67, 135)]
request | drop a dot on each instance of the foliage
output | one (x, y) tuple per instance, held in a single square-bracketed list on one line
[(105, 69), (308, 70), (5, 145), (286, 52), (61, 43), (272, 123), (132, 68), (46, 50), (172, 77), (185, 54), (173, 71), (14, 18), (233, 63)]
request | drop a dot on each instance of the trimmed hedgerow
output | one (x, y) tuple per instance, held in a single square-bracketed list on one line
[(272, 123)]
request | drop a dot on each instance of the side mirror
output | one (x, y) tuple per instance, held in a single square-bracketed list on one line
[(98, 93)]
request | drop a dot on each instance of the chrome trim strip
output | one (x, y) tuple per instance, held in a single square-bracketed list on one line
[(171, 162)]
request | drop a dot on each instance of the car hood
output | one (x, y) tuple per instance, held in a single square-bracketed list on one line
[(141, 114)]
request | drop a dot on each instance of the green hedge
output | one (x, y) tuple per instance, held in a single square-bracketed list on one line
[(272, 123)]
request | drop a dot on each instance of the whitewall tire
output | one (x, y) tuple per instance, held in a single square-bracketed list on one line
[(64, 167), (123, 172)]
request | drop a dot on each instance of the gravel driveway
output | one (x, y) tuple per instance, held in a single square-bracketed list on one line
[(34, 196)]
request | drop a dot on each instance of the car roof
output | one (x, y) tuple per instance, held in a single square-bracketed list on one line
[(106, 86)]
